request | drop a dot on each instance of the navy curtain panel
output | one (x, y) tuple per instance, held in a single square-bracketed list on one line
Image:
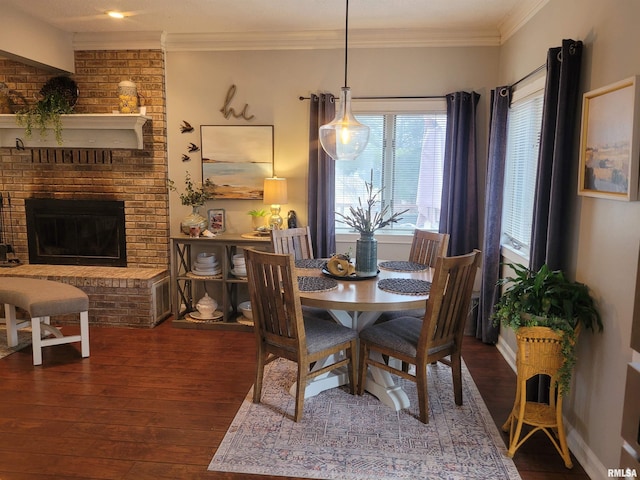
[(459, 211), (321, 178), (557, 162), (489, 290)]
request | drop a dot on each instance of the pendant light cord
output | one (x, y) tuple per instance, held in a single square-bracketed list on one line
[(346, 41)]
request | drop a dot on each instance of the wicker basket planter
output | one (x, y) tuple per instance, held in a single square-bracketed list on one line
[(539, 353)]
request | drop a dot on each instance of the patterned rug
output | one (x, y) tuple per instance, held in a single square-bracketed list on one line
[(348, 437), (24, 339)]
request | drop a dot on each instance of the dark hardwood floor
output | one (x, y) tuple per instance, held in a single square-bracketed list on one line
[(155, 404)]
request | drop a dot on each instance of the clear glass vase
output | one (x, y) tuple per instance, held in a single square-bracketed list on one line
[(194, 219)]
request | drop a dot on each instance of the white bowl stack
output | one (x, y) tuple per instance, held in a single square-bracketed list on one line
[(245, 308), (239, 267), (206, 264)]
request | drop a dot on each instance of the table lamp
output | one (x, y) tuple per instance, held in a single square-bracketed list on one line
[(275, 194)]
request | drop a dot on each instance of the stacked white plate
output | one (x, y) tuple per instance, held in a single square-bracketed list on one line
[(239, 268), (206, 264)]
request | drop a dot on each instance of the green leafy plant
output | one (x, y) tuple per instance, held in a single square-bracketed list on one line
[(547, 299), (193, 196), (363, 218), (45, 114), (258, 213)]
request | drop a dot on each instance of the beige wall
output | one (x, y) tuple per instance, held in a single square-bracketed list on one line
[(606, 233), (33, 42), (270, 82)]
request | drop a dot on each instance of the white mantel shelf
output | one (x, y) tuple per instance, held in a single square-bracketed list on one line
[(91, 130)]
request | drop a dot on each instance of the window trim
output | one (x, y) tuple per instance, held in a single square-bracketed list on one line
[(529, 89), (399, 106)]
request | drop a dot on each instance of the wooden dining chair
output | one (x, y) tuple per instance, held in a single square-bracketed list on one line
[(421, 341), (296, 241), (427, 246), (282, 331)]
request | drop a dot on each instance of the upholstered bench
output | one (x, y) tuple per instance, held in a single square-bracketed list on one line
[(43, 299)]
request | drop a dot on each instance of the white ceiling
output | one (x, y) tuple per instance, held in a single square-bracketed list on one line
[(492, 20)]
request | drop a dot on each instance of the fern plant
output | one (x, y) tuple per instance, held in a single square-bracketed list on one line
[(546, 298)]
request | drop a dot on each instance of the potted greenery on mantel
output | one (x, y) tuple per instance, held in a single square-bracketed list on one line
[(57, 97), (546, 298)]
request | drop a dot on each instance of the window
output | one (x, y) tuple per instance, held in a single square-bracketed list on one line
[(405, 155), (523, 143)]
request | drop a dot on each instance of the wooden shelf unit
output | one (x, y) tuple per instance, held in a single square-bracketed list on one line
[(187, 289)]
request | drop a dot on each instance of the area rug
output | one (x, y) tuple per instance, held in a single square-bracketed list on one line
[(347, 437), (24, 339)]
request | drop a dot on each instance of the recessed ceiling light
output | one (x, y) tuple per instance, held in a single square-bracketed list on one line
[(115, 14)]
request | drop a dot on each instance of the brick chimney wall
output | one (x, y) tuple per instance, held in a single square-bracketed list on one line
[(136, 176)]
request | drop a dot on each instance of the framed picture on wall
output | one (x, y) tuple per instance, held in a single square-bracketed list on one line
[(236, 159), (216, 220), (609, 141)]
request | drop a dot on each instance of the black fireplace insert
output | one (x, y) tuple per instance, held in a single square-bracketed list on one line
[(76, 232)]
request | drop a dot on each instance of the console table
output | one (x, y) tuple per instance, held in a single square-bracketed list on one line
[(187, 288)]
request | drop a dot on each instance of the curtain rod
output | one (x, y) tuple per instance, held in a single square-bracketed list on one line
[(388, 98), (529, 75)]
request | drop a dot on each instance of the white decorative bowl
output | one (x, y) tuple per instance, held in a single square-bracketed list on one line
[(245, 308), (206, 258)]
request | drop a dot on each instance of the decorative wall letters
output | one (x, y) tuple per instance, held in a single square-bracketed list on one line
[(227, 110)]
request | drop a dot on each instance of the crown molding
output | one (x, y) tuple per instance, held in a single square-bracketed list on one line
[(307, 40), (334, 39), (518, 17)]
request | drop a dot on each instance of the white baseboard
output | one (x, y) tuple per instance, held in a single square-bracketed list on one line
[(507, 352)]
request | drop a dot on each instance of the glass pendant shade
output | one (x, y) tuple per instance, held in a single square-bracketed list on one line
[(344, 138)]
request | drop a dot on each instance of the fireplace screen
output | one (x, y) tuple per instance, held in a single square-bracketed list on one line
[(76, 232)]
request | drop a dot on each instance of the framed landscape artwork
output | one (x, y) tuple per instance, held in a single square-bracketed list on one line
[(609, 142), (236, 160)]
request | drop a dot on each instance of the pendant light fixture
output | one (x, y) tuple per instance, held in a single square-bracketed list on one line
[(344, 138)]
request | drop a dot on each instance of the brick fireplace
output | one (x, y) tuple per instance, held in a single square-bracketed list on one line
[(135, 177), (74, 232)]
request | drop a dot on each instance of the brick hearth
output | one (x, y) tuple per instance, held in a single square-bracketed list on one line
[(122, 297)]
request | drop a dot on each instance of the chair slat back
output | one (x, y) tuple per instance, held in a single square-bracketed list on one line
[(449, 300), (296, 241), (426, 247), (275, 301)]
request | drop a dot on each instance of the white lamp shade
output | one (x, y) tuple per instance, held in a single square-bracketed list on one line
[(344, 138), (275, 191)]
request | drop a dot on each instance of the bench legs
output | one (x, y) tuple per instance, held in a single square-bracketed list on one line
[(43, 323), (13, 325)]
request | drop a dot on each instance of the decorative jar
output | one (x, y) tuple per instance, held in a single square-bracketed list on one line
[(194, 219)]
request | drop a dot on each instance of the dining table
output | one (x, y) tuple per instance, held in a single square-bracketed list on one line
[(357, 302)]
